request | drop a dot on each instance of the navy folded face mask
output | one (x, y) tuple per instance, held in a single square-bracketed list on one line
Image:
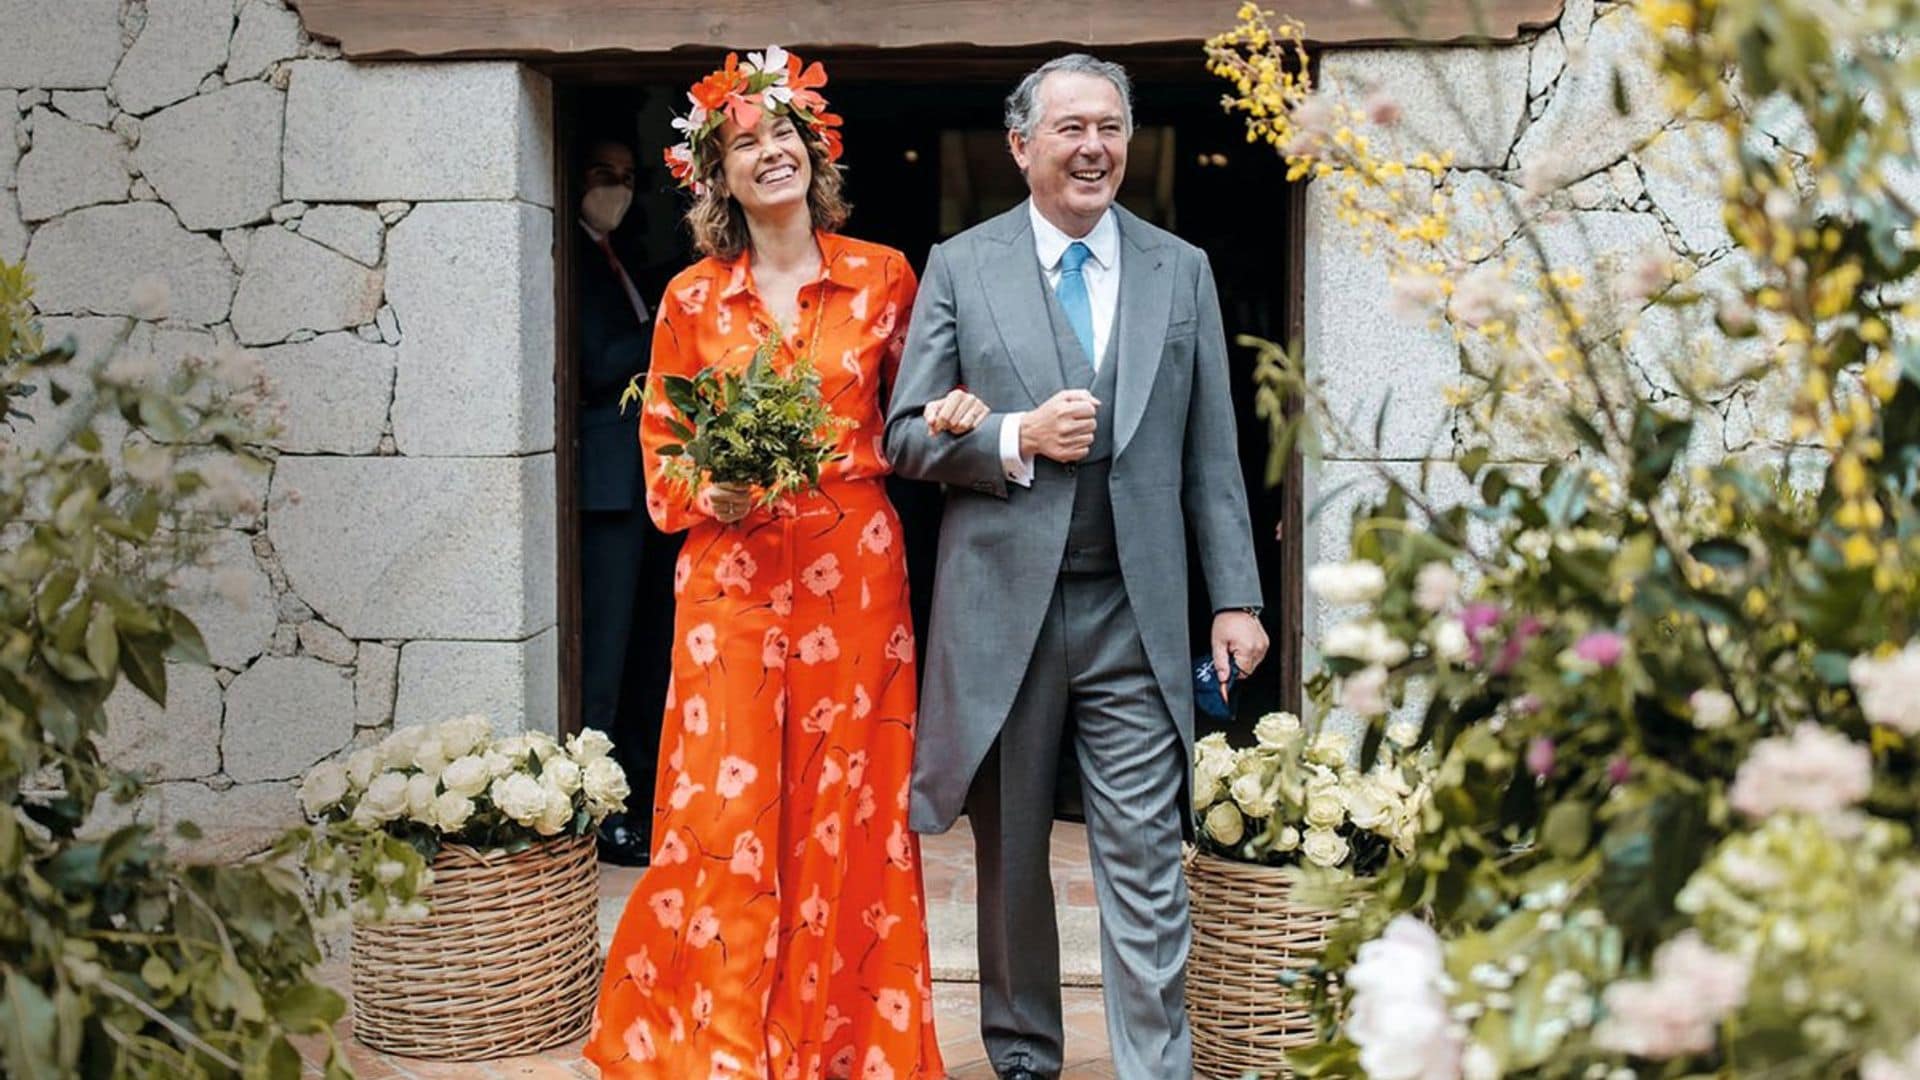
[(1206, 689)]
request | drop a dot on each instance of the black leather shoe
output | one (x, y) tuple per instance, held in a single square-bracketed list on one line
[(1027, 1074), (619, 844)]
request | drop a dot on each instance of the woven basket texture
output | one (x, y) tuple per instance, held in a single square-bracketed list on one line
[(507, 963), (1247, 929)]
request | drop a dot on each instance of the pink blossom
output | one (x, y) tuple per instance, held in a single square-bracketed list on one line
[(1676, 1012), (1619, 770), (1814, 770), (1382, 109), (1540, 757), (1516, 646), (1602, 647)]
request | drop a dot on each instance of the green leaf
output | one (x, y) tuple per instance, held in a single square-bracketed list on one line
[(141, 662), (1647, 854), (103, 643), (1721, 554), (309, 1007), (1832, 668), (27, 1031), (54, 593), (1567, 829), (187, 646)]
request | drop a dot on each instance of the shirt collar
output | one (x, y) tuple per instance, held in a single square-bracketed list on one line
[(598, 236), (1051, 243), (832, 248)]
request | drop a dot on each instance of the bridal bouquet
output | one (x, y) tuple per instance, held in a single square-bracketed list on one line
[(392, 805), (1292, 800), (759, 428)]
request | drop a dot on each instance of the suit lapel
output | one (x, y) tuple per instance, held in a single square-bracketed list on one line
[(1146, 298), (1013, 285)]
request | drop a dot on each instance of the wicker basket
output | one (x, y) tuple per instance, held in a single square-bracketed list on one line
[(508, 963), (1247, 930)]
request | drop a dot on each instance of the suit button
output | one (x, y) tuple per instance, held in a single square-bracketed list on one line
[(1069, 470)]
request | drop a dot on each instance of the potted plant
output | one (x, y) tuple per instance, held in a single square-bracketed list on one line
[(472, 860), (1286, 830)]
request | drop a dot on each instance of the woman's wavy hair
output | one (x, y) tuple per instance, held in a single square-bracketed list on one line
[(718, 224)]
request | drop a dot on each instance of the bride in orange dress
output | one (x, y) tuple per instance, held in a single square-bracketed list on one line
[(780, 931)]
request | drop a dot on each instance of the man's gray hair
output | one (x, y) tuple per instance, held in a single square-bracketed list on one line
[(1023, 105)]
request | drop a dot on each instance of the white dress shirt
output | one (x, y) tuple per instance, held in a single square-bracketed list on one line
[(633, 294), (1102, 275)]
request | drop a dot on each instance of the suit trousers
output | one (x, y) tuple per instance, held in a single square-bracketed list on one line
[(1090, 691), (626, 569)]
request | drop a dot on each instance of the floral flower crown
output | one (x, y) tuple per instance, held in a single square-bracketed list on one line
[(770, 82)]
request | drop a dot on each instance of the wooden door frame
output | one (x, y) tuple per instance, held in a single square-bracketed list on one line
[(951, 64)]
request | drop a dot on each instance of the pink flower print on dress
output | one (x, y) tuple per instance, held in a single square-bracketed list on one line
[(900, 644), (725, 1066), (862, 703), (703, 644), (895, 1008), (856, 767), (684, 789), (672, 849), (638, 1039), (823, 575), (703, 929), (877, 535), (682, 570), (773, 648), (693, 297), (850, 363), (820, 718), (693, 715), (736, 569), (830, 773), (857, 307), (810, 983), (669, 906), (880, 921), (819, 646), (736, 775), (813, 913), (642, 971), (899, 851), (883, 326), (834, 1022), (842, 1062), (827, 834), (868, 807), (723, 319), (781, 597), (702, 1009), (749, 856), (875, 1067)]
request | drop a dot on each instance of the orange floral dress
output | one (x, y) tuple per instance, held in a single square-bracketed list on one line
[(780, 931)]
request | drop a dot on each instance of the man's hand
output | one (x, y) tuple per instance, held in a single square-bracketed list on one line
[(1061, 428), (959, 412), (1239, 641), (730, 502)]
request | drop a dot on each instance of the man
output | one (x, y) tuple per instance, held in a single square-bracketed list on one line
[(1059, 607), (622, 556)]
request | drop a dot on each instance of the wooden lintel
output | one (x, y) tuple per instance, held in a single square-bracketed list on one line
[(553, 29)]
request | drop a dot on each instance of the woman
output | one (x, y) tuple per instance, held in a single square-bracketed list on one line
[(780, 930)]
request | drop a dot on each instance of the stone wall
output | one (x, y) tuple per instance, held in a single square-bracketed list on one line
[(381, 234)]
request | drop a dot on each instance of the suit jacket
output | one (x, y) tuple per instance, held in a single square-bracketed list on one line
[(613, 347), (981, 321)]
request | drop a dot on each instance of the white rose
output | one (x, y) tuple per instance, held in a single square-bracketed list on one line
[(605, 784), (555, 815), (1403, 733), (323, 787), (1324, 847), (1435, 587), (1249, 793), (1225, 824), (1341, 584), (361, 765), (396, 750), (1330, 748), (466, 775), (1449, 641), (388, 871), (1278, 730), (384, 800), (1288, 839), (1370, 806), (519, 796), (430, 755), (591, 743), (499, 764), (1367, 640), (543, 745), (421, 790), (1326, 809), (563, 774), (462, 734), (1712, 709), (451, 811), (1206, 789), (411, 911)]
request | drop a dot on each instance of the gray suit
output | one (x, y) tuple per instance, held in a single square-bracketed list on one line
[(1060, 614)]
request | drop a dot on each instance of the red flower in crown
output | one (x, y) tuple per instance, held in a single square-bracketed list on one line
[(775, 82)]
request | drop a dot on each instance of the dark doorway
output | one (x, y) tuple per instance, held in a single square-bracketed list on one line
[(926, 158)]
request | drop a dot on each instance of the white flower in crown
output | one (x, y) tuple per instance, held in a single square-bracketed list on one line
[(689, 125), (773, 62)]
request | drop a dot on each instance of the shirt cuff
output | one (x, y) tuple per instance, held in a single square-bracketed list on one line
[(1019, 469)]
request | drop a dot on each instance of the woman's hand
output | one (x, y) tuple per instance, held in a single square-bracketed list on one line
[(730, 502), (958, 413)]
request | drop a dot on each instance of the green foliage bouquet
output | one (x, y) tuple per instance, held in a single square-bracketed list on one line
[(391, 806), (759, 428), (1674, 692), (1291, 800)]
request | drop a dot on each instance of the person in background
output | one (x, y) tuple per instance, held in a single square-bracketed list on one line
[(625, 562)]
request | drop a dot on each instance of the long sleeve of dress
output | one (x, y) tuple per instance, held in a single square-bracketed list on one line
[(672, 506)]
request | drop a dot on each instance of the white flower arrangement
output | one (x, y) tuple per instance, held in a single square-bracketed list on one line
[(1295, 799), (392, 805)]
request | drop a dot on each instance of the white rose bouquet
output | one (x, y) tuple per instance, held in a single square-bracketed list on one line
[(1295, 799), (390, 806)]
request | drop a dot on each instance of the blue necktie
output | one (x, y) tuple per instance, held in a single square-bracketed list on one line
[(1072, 291)]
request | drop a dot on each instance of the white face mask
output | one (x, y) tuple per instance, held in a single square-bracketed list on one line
[(605, 206)]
